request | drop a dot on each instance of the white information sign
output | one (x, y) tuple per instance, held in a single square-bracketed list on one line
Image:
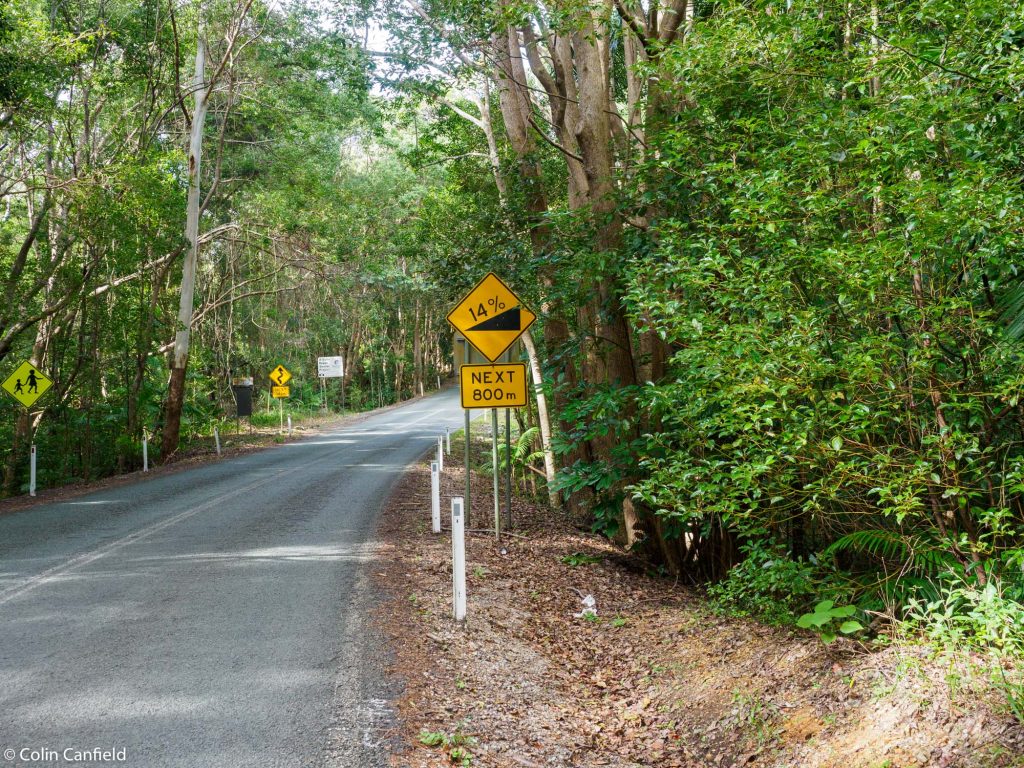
[(329, 367)]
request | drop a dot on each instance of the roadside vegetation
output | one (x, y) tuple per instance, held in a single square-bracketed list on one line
[(775, 249), (297, 257)]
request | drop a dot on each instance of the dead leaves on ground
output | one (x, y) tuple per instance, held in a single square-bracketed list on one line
[(654, 679)]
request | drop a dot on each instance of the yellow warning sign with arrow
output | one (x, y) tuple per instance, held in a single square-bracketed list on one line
[(27, 384), (280, 376), (491, 317)]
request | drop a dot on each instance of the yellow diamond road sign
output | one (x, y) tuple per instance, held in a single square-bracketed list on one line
[(491, 317), (280, 376), (27, 384)]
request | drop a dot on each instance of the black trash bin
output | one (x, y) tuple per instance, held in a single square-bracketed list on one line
[(242, 390)]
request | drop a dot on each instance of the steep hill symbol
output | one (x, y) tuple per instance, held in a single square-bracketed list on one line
[(507, 321)]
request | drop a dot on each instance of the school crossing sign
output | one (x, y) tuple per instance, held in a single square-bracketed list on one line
[(27, 384)]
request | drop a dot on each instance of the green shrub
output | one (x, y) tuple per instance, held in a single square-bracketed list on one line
[(768, 585)]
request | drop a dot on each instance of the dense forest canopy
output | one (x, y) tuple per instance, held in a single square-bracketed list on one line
[(773, 246)]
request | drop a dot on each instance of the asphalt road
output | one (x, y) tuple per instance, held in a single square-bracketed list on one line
[(210, 617)]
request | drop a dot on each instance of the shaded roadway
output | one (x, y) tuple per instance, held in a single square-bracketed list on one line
[(210, 617)]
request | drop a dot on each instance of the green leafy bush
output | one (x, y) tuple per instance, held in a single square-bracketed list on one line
[(966, 615), (766, 584)]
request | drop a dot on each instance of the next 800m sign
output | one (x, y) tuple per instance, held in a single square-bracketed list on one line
[(491, 386)]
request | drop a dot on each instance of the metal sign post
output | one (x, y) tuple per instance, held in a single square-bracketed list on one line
[(467, 463), (26, 385), (494, 465), (508, 468)]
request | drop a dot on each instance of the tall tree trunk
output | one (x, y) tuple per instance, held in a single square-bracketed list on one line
[(176, 390), (543, 419)]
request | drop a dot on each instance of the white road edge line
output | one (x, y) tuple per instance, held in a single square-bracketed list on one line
[(90, 557), (86, 558)]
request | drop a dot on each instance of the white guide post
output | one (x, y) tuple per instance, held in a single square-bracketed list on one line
[(435, 498), (440, 454), (145, 451), (448, 439), (289, 425), (216, 439), (458, 559), (32, 479)]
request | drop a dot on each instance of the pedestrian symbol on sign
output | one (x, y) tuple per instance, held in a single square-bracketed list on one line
[(27, 384)]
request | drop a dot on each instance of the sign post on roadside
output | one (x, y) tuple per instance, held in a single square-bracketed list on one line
[(279, 378), (26, 385), (330, 368), (491, 317)]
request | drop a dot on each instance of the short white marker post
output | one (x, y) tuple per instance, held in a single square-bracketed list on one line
[(440, 455), (458, 559), (145, 451), (435, 498), (448, 438), (216, 439), (32, 482), (289, 425)]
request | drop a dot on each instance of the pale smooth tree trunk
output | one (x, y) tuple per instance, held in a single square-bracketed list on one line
[(176, 390), (543, 420)]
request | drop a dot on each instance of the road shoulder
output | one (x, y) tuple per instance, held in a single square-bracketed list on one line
[(655, 678)]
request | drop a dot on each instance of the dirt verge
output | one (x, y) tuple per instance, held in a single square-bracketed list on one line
[(655, 679)]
